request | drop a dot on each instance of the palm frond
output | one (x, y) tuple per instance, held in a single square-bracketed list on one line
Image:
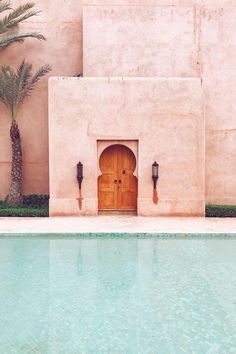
[(23, 75), (7, 87), (4, 6), (21, 9), (16, 86), (12, 19), (28, 88), (5, 42), (45, 69), (21, 13)]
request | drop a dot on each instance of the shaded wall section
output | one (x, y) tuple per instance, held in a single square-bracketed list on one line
[(61, 23), (219, 76)]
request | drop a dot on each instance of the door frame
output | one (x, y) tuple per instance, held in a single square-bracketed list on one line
[(133, 145)]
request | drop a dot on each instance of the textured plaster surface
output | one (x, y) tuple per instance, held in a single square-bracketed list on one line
[(209, 3), (219, 74), (196, 38), (141, 41), (164, 115)]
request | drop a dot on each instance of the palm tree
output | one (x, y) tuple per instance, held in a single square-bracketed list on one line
[(9, 23), (14, 89)]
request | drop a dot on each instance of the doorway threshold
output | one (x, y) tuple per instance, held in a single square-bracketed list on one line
[(117, 212)]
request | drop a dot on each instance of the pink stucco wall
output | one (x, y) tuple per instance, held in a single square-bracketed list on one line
[(141, 41), (135, 39), (211, 55), (219, 73), (165, 117), (61, 23)]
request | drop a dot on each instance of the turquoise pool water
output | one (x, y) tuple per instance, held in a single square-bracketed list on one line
[(82, 295)]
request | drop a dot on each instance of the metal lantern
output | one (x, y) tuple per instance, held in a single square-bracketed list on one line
[(80, 174), (155, 174)]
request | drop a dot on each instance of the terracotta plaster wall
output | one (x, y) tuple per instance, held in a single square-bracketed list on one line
[(61, 23), (219, 77), (209, 3), (165, 116), (141, 41), (175, 38)]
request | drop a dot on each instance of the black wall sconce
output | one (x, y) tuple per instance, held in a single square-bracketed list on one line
[(155, 173), (80, 177), (80, 174)]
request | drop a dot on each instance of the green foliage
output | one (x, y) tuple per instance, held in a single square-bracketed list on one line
[(4, 6), (3, 204), (221, 211), (24, 212), (10, 22), (16, 86), (11, 38), (35, 200), (33, 205)]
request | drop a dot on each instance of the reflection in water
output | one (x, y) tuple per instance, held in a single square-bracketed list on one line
[(154, 260), (80, 262), (117, 265), (129, 295)]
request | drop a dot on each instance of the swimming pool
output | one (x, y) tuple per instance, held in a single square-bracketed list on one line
[(130, 295)]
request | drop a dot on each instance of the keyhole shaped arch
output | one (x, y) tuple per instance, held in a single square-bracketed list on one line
[(102, 145), (117, 185)]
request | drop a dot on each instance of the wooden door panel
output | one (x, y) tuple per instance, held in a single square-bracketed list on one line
[(106, 182), (128, 193), (128, 201), (117, 186), (128, 186), (107, 191), (108, 200)]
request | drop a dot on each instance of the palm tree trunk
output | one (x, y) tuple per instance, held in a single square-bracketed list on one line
[(15, 195)]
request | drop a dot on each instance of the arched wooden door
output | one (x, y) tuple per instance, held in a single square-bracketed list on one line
[(117, 186)]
